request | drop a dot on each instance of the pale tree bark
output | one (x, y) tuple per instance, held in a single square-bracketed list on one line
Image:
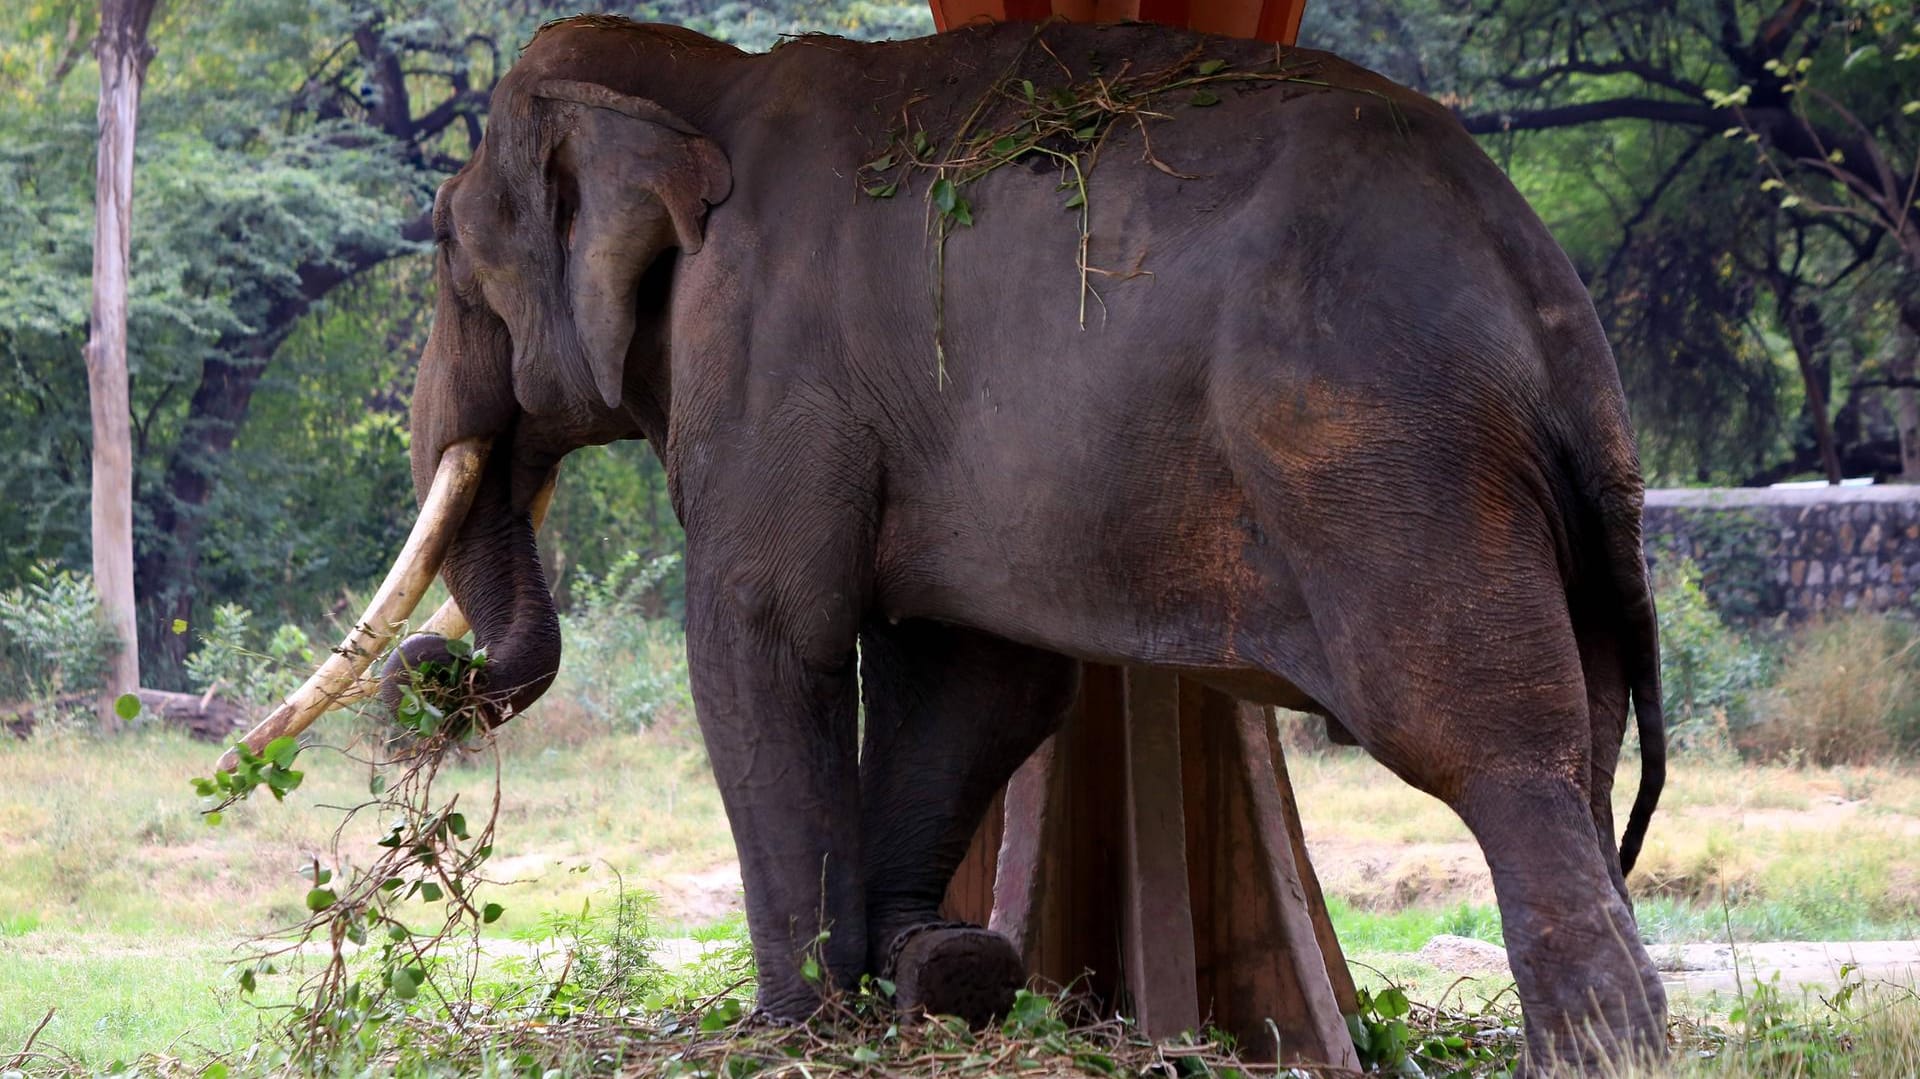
[(123, 53), (1906, 377)]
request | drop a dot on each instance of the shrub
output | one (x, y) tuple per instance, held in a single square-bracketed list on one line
[(622, 667), (54, 639), (1709, 673), (227, 662), (1848, 693)]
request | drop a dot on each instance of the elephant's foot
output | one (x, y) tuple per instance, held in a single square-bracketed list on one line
[(963, 970)]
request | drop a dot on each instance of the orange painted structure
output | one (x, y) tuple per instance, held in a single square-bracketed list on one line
[(1277, 21)]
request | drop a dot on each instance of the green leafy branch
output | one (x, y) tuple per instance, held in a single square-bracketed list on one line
[(432, 851)]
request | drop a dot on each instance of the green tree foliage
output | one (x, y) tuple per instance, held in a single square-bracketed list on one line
[(1735, 180), (281, 293)]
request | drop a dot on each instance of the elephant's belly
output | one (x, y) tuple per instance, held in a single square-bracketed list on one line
[(1196, 593)]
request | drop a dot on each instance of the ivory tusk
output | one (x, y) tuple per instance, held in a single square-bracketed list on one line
[(413, 571), (448, 622)]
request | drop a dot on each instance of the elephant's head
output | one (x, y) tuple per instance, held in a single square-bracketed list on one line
[(555, 252)]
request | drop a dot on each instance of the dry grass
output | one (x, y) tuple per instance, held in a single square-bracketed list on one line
[(95, 890), (1848, 693), (141, 861)]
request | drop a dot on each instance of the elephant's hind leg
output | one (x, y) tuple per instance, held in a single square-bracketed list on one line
[(1482, 702), (950, 714)]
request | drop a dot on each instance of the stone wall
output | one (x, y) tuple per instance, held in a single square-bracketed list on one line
[(1801, 552)]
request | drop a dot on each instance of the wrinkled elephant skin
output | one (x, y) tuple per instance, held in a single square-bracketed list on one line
[(1326, 420)]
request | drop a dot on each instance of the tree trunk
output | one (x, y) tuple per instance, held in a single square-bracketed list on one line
[(1906, 411), (169, 567), (1804, 330), (202, 715), (123, 54)]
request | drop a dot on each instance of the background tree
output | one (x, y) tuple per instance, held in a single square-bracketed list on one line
[(1736, 182), (280, 293), (123, 53)]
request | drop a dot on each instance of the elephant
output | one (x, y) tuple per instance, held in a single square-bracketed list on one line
[(1265, 375)]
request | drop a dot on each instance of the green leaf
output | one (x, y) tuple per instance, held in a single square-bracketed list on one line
[(944, 195), (865, 1055), (405, 982), (1211, 67), (213, 818), (1076, 200), (457, 648), (126, 706), (1005, 145), (281, 751), (319, 899), (963, 213), (1026, 87), (720, 1016), (430, 891), (377, 785), (1203, 98), (457, 824), (1098, 1062), (491, 913), (879, 164), (179, 626), (1087, 133), (810, 969), (247, 984), (1392, 1003), (882, 191)]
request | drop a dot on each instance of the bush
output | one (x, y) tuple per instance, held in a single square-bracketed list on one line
[(227, 662), (1848, 693), (1709, 673), (54, 639), (622, 667)]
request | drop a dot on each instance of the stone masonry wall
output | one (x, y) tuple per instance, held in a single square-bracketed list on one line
[(1801, 552)]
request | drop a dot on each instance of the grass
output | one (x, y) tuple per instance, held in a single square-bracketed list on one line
[(119, 907), (113, 999)]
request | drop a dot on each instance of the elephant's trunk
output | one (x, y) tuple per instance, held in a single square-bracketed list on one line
[(493, 570)]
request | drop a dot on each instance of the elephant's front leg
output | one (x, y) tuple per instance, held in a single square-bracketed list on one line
[(774, 685), (950, 715)]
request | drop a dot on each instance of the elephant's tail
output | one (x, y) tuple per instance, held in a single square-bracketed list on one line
[(1639, 644)]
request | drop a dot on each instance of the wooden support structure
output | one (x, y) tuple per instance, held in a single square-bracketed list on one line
[(1151, 853)]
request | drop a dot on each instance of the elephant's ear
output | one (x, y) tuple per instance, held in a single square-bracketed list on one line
[(641, 179)]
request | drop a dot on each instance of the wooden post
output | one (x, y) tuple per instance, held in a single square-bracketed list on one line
[(1150, 853)]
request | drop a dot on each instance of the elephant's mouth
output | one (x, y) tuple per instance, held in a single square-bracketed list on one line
[(444, 513)]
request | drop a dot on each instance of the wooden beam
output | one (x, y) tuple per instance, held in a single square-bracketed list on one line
[(1151, 854)]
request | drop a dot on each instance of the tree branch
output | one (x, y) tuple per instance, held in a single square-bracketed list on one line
[(1657, 110)]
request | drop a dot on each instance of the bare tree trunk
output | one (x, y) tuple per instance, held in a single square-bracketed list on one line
[(1802, 322), (1906, 411), (123, 53)]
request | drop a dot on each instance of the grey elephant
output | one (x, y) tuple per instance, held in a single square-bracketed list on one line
[(976, 357)]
